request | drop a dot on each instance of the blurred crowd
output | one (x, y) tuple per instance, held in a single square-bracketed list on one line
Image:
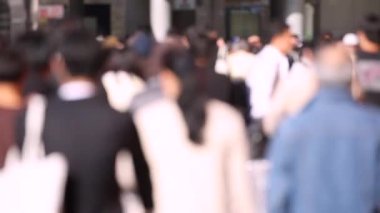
[(199, 124)]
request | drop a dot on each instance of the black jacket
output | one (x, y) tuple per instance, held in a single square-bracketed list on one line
[(90, 134)]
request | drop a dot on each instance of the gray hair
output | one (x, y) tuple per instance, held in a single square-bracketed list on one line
[(335, 76), (334, 65), (240, 45)]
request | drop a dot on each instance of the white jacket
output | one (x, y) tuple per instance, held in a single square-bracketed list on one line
[(189, 178)]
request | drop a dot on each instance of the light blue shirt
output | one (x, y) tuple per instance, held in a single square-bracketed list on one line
[(327, 159)]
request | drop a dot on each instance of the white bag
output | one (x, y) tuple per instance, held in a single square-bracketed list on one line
[(31, 182), (121, 88)]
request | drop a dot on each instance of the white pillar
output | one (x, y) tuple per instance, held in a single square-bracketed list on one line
[(34, 7), (295, 16), (160, 18)]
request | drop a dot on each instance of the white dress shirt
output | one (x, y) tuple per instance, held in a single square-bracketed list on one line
[(271, 66), (240, 64)]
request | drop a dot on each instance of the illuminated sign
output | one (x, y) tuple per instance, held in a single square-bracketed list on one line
[(56, 11)]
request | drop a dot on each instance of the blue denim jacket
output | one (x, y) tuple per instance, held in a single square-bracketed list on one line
[(327, 159)]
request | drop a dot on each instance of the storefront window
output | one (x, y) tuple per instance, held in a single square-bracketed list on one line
[(244, 23)]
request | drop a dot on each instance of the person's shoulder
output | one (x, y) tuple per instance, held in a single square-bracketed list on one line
[(298, 67), (220, 107), (249, 55), (157, 108), (223, 111), (299, 123), (301, 72), (263, 54)]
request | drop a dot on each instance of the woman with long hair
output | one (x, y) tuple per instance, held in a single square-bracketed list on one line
[(196, 147)]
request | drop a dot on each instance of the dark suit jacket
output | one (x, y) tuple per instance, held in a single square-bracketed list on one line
[(90, 134)]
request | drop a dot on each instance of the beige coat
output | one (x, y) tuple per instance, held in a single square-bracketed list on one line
[(189, 178)]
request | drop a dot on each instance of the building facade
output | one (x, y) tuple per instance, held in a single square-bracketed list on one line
[(230, 17), (106, 16), (341, 16)]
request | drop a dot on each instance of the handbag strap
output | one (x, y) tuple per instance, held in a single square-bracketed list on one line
[(34, 122)]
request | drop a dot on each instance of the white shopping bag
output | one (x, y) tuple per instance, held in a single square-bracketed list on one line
[(31, 182)]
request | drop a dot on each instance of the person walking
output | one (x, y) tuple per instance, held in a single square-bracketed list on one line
[(201, 165), (326, 159), (81, 125)]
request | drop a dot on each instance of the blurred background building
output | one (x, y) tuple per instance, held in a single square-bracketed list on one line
[(230, 17)]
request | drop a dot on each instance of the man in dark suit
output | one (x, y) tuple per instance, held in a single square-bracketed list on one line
[(81, 125)]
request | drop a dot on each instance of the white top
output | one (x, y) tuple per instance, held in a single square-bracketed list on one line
[(240, 64), (189, 178), (270, 64)]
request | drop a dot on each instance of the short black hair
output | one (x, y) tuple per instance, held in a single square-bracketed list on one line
[(200, 47), (126, 61), (11, 66), (36, 50), (179, 60), (370, 26), (276, 28), (81, 52)]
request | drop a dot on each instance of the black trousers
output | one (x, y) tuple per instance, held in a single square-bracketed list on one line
[(258, 139)]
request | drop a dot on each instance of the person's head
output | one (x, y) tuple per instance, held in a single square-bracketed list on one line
[(141, 43), (307, 52), (11, 67), (326, 37), (207, 33), (280, 36), (202, 48), (210, 32), (178, 82), (36, 50), (369, 32), (172, 63), (78, 55), (255, 44), (334, 65), (124, 60), (240, 45)]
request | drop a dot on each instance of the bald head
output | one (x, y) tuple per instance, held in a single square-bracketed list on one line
[(334, 64)]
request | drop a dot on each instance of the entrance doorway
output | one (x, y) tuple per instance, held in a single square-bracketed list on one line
[(98, 18), (243, 21)]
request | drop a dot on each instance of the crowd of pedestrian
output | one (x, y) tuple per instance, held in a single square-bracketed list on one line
[(260, 124)]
